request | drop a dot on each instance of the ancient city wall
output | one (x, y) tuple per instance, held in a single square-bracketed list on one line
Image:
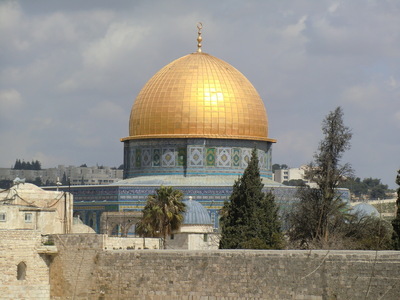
[(22, 247), (82, 270)]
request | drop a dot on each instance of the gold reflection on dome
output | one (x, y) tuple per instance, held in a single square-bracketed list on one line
[(198, 96)]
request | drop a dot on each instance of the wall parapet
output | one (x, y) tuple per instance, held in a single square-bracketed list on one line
[(258, 274)]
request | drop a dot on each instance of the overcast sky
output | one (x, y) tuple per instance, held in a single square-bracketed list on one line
[(70, 71)]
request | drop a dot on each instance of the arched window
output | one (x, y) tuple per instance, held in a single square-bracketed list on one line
[(21, 271)]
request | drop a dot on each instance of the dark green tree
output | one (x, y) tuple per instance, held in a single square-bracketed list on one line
[(6, 184), (294, 182), (64, 180), (162, 214), (279, 167), (306, 219), (36, 165), (249, 220), (368, 233), (18, 165), (396, 221), (357, 187), (37, 181), (327, 173)]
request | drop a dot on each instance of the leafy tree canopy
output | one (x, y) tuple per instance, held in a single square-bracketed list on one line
[(162, 214), (294, 182), (279, 167), (396, 221), (320, 211), (369, 188)]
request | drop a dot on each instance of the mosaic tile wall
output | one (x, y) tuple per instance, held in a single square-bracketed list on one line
[(91, 201), (193, 157)]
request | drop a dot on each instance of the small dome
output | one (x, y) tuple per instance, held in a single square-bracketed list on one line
[(365, 209), (198, 96), (195, 214)]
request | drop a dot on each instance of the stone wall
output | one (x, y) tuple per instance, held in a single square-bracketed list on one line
[(83, 270), (23, 247), (117, 243)]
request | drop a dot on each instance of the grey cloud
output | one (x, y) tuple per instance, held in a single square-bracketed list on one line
[(77, 67)]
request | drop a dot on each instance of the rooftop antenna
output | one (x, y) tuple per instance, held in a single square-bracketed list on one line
[(199, 38), (58, 183)]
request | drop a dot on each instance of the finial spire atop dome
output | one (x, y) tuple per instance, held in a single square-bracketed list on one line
[(199, 38)]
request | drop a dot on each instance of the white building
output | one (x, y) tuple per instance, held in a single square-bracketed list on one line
[(283, 175), (196, 231), (77, 175), (27, 207)]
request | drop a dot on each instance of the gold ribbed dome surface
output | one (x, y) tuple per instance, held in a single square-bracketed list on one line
[(198, 96)]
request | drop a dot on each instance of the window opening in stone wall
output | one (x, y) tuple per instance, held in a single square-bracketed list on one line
[(115, 231), (132, 230), (28, 218), (205, 237), (172, 236), (3, 217), (21, 271)]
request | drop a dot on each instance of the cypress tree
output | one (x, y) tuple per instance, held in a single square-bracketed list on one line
[(64, 179), (250, 219), (17, 165)]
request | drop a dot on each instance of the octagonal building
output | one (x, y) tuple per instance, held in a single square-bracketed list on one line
[(197, 116), (192, 126)]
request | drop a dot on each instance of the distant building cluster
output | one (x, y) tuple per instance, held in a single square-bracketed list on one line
[(97, 175), (286, 175)]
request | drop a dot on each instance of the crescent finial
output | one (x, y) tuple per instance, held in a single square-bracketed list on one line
[(199, 38)]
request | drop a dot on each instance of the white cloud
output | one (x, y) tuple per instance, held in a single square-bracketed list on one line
[(9, 15), (295, 146), (397, 118), (10, 102), (393, 83), (73, 70), (333, 8), (118, 43), (363, 97), (295, 30), (107, 111)]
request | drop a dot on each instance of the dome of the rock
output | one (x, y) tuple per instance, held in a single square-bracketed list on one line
[(198, 96), (194, 126), (197, 116)]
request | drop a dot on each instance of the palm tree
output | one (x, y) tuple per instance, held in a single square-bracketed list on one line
[(162, 214)]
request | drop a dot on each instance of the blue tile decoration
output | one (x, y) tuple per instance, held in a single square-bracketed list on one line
[(224, 157), (117, 198), (132, 158), (168, 157), (138, 158), (146, 157), (236, 157), (156, 157), (181, 156), (193, 157), (210, 157), (262, 159), (196, 156), (246, 155)]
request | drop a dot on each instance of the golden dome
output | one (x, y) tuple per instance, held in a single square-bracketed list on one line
[(198, 96)]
